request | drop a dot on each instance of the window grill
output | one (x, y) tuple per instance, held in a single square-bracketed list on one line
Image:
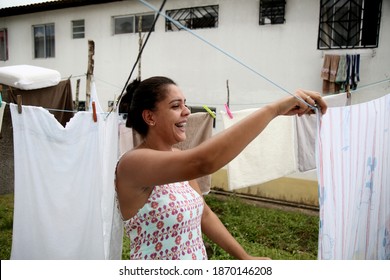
[(272, 12), (78, 27), (349, 24), (193, 18)]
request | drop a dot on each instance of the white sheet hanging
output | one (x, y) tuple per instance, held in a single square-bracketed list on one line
[(353, 168), (270, 156), (109, 138), (64, 195)]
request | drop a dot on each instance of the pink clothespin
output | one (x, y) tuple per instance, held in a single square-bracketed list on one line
[(228, 111)]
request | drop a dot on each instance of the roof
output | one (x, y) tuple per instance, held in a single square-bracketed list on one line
[(49, 6)]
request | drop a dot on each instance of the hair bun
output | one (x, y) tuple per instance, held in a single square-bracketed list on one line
[(127, 98)]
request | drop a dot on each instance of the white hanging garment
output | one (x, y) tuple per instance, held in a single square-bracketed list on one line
[(64, 202), (270, 156), (112, 221), (306, 132), (353, 168)]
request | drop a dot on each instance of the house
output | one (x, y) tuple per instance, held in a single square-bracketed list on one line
[(261, 49)]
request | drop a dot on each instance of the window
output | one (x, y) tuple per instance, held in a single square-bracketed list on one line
[(349, 24), (272, 12), (3, 45), (44, 41), (132, 24), (78, 29), (193, 18)]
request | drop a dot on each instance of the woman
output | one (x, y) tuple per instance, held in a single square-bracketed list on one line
[(160, 202)]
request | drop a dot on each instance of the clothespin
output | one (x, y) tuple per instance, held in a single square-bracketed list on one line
[(19, 101), (348, 92), (209, 111), (1, 100), (228, 111), (94, 116)]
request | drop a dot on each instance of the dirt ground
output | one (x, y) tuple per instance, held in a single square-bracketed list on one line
[(6, 155)]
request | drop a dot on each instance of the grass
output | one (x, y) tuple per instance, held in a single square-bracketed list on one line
[(278, 234), (274, 233), (6, 222)]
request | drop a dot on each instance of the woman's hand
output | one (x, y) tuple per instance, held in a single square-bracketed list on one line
[(293, 106)]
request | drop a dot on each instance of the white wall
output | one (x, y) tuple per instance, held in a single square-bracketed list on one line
[(286, 54)]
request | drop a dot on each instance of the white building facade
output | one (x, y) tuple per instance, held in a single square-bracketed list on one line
[(260, 62)]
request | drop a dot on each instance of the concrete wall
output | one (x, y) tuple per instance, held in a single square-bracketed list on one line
[(285, 54)]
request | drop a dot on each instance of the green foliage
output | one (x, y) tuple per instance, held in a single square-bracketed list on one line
[(261, 231)]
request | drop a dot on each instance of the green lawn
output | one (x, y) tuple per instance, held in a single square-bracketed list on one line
[(277, 234)]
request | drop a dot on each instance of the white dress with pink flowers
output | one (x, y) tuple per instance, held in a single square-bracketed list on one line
[(168, 226)]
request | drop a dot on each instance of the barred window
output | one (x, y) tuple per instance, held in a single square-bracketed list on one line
[(193, 18), (78, 29), (272, 12), (130, 24), (3, 44), (44, 40), (349, 24)]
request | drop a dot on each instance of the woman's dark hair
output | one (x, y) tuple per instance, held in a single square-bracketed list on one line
[(142, 96)]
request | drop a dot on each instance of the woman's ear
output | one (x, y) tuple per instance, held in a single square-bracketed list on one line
[(148, 117)]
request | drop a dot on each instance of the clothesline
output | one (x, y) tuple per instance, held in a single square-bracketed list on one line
[(350, 52), (219, 104), (364, 87), (58, 110)]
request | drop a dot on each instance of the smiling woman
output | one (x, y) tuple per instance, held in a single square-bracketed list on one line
[(160, 201)]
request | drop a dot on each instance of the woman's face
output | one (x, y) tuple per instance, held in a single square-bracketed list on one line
[(171, 116)]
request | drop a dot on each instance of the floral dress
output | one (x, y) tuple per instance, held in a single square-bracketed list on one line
[(168, 226)]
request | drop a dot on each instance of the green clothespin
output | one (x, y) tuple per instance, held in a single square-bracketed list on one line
[(209, 111)]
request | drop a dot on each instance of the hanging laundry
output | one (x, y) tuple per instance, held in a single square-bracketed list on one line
[(353, 168), (270, 156), (56, 97), (306, 132), (199, 128), (354, 71), (126, 142), (341, 76), (64, 187), (329, 73), (112, 221)]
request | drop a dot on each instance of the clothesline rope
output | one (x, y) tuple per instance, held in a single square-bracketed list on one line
[(265, 103), (59, 110), (218, 104)]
